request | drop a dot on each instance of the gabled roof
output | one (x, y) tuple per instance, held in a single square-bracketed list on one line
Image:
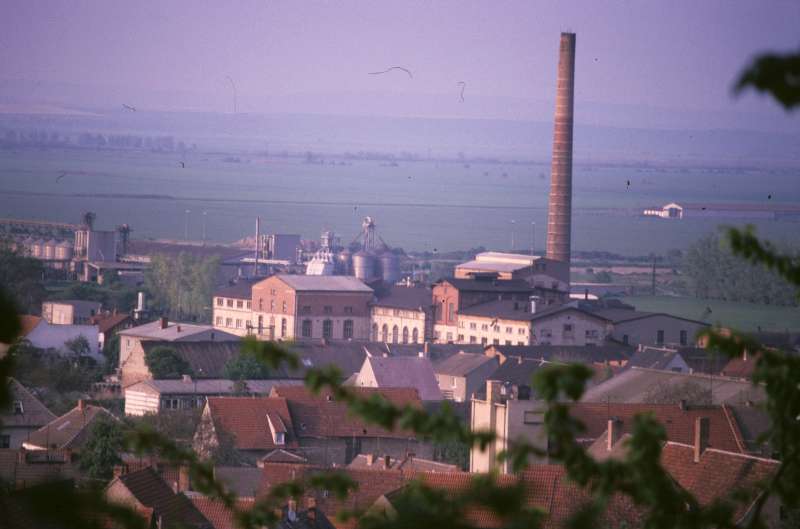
[(207, 358), (487, 285), (718, 475), (279, 455), (34, 413), (243, 481), (652, 358), (323, 283), (175, 331), (247, 420), (462, 364), (609, 351), (175, 510), (407, 298), (322, 416), (623, 315), (71, 430), (207, 386), (505, 310), (678, 423), (107, 322), (404, 372), (241, 289), (28, 323)]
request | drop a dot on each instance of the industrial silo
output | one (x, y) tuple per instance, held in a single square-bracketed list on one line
[(364, 265), (344, 263), (27, 244), (37, 249), (390, 267), (49, 250), (64, 251)]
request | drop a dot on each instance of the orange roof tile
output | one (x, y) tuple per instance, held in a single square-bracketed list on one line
[(246, 419)]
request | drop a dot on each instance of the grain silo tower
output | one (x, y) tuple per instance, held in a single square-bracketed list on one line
[(559, 219)]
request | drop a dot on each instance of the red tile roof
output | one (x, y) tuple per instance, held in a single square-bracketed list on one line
[(71, 430), (323, 416), (245, 418), (107, 322), (718, 475), (217, 513), (740, 367), (679, 423), (28, 323)]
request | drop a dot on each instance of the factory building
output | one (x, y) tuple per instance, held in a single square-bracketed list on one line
[(538, 271)]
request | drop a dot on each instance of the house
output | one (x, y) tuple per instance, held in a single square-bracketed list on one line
[(22, 469), (70, 311), (256, 426), (328, 433), (147, 493), (70, 431), (109, 324), (302, 307), (452, 295), (402, 314), (462, 374), (131, 352), (522, 418), (635, 327), (292, 514), (517, 323), (400, 372), (153, 396), (607, 353), (232, 308), (636, 385), (410, 463), (659, 358), (54, 337), (24, 415)]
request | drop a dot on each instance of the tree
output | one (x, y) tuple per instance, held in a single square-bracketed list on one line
[(101, 451), (245, 367), (22, 276), (182, 286), (78, 346), (111, 354), (165, 362)]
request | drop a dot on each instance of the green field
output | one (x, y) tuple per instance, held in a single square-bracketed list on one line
[(741, 316)]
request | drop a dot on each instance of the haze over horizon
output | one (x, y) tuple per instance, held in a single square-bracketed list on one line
[(639, 65)]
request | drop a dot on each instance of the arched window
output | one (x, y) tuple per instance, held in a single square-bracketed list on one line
[(405, 334), (415, 336), (327, 329), (395, 332), (374, 332), (385, 333)]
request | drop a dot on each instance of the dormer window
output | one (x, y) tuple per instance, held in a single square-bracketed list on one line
[(280, 438), (18, 408), (277, 428)]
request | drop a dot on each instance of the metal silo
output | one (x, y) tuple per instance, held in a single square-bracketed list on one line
[(49, 250), (364, 266), (64, 251), (390, 267), (37, 248)]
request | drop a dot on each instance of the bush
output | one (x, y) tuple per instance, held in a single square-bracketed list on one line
[(165, 362)]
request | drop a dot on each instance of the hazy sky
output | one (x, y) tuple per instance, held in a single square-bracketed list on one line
[(679, 54)]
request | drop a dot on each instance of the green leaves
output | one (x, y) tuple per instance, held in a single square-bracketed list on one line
[(165, 363), (775, 74)]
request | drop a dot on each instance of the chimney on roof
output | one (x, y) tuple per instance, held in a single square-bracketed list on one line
[(164, 322), (186, 378), (81, 404), (370, 459), (493, 390), (701, 434), (184, 483), (178, 328), (387, 461), (613, 433), (683, 405)]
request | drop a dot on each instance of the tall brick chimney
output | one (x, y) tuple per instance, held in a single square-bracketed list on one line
[(559, 219), (701, 433)]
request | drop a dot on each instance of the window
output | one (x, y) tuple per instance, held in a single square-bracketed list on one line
[(395, 312), (219, 320), (395, 334), (327, 329), (509, 330), (508, 342), (484, 340), (415, 335), (5, 441), (171, 404), (473, 325), (306, 330), (272, 305), (660, 337), (567, 327), (684, 338), (496, 328), (374, 332), (496, 341), (283, 327), (591, 334), (484, 327), (520, 343), (239, 303), (220, 302), (228, 322), (272, 292), (18, 408), (260, 304), (451, 312), (238, 323), (327, 309), (385, 333), (249, 304), (472, 339), (521, 330), (405, 334), (347, 329), (306, 309), (449, 337), (280, 438), (261, 325), (460, 338), (229, 302), (348, 310)]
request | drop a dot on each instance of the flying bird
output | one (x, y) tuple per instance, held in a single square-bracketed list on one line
[(629, 183), (128, 107), (389, 69), (183, 165), (62, 175), (463, 86), (769, 197)]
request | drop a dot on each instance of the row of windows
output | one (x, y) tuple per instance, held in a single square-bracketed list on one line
[(383, 335), (307, 329), (229, 302), (684, 337)]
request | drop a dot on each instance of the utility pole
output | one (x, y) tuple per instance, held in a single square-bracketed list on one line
[(186, 228), (205, 213)]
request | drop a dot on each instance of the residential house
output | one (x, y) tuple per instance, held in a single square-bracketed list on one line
[(635, 327), (22, 469), (452, 295), (70, 311), (329, 434), (659, 358), (521, 418), (131, 351), (400, 372), (516, 323), (402, 314), (232, 308), (109, 324), (153, 396), (54, 337), (256, 426), (24, 415), (301, 307), (69, 431), (461, 375), (147, 493)]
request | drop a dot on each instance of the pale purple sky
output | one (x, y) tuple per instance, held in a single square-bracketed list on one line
[(679, 54)]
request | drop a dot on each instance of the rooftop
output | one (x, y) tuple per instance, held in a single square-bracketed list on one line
[(324, 283), (488, 285), (175, 331), (405, 372), (624, 315), (32, 414), (609, 351), (462, 363), (241, 289), (214, 386), (71, 430), (518, 311), (246, 419), (409, 298)]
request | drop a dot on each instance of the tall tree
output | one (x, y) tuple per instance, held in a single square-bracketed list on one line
[(101, 452), (22, 276), (182, 286), (165, 362)]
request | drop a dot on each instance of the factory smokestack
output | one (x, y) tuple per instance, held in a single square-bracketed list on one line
[(559, 220)]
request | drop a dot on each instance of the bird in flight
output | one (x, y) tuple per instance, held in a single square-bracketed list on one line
[(629, 183), (394, 68), (128, 107), (62, 175), (769, 197), (463, 86), (183, 165)]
